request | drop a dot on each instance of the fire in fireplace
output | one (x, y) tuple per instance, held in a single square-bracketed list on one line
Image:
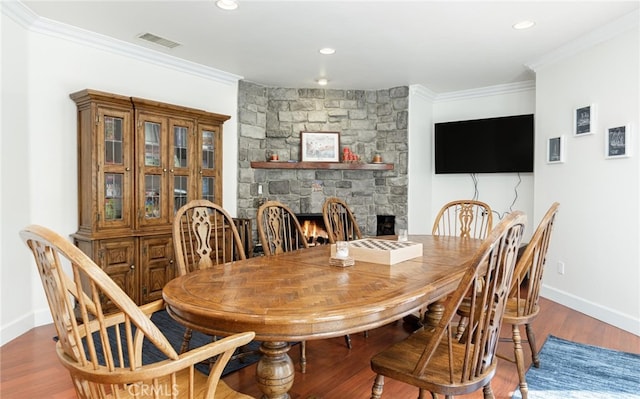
[(313, 228)]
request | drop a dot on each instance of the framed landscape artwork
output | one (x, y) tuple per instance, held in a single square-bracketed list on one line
[(320, 146)]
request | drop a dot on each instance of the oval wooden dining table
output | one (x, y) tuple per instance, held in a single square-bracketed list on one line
[(299, 296)]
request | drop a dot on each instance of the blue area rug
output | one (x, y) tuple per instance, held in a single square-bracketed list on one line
[(174, 333), (570, 370)]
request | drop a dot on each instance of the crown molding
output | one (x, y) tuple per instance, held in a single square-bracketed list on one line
[(420, 91), (602, 34), (22, 15), (528, 85)]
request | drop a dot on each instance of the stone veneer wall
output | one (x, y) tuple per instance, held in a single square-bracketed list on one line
[(369, 121)]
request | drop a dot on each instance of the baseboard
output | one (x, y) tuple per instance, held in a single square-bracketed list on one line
[(607, 315), (16, 328), (21, 325)]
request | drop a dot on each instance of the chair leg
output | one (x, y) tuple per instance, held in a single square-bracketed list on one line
[(531, 336), (487, 391), (347, 340), (378, 385), (186, 338), (462, 325), (517, 350), (303, 357)]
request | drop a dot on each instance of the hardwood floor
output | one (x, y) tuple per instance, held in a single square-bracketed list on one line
[(30, 368)]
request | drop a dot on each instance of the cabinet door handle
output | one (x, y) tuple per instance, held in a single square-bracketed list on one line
[(132, 267), (127, 168), (171, 170)]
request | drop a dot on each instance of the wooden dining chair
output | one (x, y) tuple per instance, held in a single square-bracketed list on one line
[(280, 231), (339, 221), (103, 352), (464, 218), (340, 225), (431, 358), (522, 305), (204, 235)]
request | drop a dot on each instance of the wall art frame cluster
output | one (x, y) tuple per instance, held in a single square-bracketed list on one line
[(617, 139)]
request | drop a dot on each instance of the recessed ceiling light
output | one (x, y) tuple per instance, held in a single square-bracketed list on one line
[(322, 81), (227, 4), (327, 51), (523, 25)]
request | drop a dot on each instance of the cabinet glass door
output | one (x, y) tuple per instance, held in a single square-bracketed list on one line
[(152, 196), (113, 140), (210, 169), (182, 155), (113, 155), (152, 180), (114, 177), (152, 143), (113, 199)]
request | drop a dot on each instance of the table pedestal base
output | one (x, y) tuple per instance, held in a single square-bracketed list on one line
[(434, 313), (275, 371)]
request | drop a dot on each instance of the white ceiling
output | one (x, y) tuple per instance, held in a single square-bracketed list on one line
[(445, 46)]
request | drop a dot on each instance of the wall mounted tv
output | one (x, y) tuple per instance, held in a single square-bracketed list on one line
[(493, 145)]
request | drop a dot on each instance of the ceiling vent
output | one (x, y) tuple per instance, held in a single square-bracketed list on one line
[(150, 37)]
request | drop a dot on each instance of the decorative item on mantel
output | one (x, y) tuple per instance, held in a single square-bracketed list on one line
[(349, 157)]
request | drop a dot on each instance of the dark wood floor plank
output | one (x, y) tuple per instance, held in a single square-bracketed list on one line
[(30, 368)]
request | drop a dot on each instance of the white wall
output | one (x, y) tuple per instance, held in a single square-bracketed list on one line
[(39, 155), (420, 166), (504, 192), (16, 303), (597, 233)]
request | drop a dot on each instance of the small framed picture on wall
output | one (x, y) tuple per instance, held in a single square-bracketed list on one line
[(555, 149), (584, 120), (616, 142)]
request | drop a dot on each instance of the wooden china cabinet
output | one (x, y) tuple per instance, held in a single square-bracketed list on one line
[(138, 162)]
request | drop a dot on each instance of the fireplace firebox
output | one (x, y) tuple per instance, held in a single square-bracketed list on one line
[(313, 228), (386, 225)]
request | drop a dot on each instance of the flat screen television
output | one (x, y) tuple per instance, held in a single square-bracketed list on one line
[(492, 145)]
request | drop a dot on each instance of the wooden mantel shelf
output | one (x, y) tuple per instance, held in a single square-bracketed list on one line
[(321, 165)]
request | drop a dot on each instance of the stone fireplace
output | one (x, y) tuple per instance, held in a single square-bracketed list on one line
[(370, 122)]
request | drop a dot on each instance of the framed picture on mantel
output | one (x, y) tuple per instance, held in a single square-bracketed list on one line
[(320, 146)]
